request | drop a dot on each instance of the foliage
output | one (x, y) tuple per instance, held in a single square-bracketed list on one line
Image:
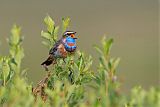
[(71, 84)]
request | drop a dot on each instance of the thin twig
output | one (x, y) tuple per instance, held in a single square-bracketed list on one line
[(39, 90)]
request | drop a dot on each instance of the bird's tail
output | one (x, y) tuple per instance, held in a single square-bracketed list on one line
[(49, 60)]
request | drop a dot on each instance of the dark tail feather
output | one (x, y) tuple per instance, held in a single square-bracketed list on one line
[(49, 61)]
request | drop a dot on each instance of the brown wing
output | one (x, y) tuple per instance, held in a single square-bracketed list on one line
[(54, 48)]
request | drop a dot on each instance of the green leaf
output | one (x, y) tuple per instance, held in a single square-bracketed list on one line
[(80, 62), (65, 23), (116, 62), (113, 63), (88, 64), (103, 62), (76, 72), (52, 32), (56, 32), (16, 51), (98, 80), (15, 38), (49, 23), (45, 35), (107, 45), (46, 44), (86, 78), (5, 69), (98, 49)]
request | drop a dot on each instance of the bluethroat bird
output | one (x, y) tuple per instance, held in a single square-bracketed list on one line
[(67, 44)]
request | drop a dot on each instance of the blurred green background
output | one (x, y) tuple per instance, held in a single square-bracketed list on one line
[(132, 23)]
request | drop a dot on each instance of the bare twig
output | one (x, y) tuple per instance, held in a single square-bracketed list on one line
[(39, 90)]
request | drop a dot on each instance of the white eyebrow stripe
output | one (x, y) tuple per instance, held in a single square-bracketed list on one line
[(68, 32)]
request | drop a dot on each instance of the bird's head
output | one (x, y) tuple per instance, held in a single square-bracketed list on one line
[(70, 34)]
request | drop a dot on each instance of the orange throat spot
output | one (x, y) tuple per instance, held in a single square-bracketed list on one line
[(70, 44)]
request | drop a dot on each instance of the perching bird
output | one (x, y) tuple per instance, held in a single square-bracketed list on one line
[(67, 44)]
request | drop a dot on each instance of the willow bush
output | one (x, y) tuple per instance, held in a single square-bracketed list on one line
[(69, 84)]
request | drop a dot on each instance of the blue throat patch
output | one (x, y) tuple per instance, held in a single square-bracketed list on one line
[(70, 44)]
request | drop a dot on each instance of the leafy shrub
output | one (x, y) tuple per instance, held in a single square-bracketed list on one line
[(69, 84)]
